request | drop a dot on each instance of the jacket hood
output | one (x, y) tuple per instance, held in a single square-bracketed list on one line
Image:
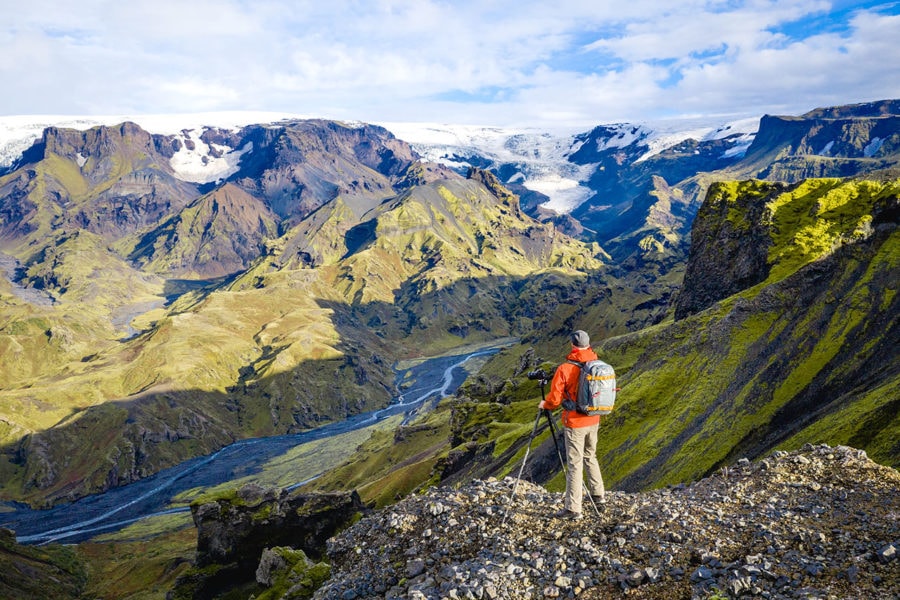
[(581, 354)]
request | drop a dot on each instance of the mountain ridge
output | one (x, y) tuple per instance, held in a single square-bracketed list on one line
[(329, 245)]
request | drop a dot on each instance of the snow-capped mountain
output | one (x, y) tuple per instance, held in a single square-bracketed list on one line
[(543, 161), (539, 160), (196, 160)]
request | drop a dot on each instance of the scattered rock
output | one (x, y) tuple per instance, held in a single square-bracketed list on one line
[(759, 530)]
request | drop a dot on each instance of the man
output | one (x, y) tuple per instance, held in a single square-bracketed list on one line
[(580, 429)]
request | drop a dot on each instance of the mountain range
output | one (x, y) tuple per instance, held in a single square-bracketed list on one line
[(167, 292), (179, 291)]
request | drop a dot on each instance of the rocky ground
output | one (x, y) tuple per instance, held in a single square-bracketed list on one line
[(823, 522)]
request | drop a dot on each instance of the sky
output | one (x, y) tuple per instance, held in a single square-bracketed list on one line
[(479, 62)]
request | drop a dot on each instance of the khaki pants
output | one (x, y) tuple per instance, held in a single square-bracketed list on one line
[(581, 449)]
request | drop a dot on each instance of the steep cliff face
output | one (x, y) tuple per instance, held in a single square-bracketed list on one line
[(730, 244), (744, 228)]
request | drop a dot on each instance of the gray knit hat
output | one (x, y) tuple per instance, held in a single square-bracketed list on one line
[(580, 339)]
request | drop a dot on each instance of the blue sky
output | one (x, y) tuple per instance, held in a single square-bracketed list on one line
[(484, 62)]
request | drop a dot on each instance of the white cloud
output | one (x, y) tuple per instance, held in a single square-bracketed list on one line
[(518, 62)]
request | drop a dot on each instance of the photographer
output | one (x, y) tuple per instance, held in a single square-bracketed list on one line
[(580, 430)]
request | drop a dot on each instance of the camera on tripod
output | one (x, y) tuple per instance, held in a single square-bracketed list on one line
[(539, 375)]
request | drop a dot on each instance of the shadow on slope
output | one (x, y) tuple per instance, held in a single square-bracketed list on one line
[(118, 442)]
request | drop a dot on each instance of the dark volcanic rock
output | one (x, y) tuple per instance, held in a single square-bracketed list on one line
[(234, 530), (729, 245)]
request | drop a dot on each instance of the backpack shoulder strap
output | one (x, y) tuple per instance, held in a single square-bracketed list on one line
[(580, 365)]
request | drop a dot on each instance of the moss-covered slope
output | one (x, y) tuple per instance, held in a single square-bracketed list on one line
[(50, 572), (808, 353)]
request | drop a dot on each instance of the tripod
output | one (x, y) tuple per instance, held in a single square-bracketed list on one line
[(542, 412)]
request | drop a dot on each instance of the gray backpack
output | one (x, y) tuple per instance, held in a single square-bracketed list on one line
[(596, 389)]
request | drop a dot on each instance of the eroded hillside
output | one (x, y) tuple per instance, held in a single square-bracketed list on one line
[(245, 312)]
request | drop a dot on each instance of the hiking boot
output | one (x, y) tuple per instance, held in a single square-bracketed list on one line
[(566, 514), (598, 503)]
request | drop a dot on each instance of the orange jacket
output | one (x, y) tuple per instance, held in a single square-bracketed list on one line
[(565, 385)]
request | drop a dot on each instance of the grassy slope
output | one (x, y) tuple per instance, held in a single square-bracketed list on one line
[(279, 347), (137, 569), (809, 355), (50, 572), (695, 392)]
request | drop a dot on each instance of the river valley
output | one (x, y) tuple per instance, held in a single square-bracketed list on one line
[(425, 381)]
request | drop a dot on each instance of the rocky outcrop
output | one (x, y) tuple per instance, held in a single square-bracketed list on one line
[(234, 531), (821, 522), (730, 243)]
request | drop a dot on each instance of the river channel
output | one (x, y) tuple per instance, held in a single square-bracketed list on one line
[(116, 508)]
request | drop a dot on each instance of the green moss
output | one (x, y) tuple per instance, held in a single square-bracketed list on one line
[(150, 527), (53, 572), (220, 495), (144, 568), (819, 215), (870, 420), (299, 575), (262, 514)]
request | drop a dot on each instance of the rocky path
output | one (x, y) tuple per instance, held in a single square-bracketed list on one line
[(820, 523)]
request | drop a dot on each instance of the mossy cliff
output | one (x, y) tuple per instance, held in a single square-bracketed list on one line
[(807, 352), (245, 537)]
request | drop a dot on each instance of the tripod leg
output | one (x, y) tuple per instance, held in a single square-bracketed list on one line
[(534, 429), (554, 431)]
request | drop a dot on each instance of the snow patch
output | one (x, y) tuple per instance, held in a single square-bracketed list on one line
[(205, 163), (873, 147), (565, 194), (665, 134), (80, 159), (741, 144), (827, 148), (626, 136)]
